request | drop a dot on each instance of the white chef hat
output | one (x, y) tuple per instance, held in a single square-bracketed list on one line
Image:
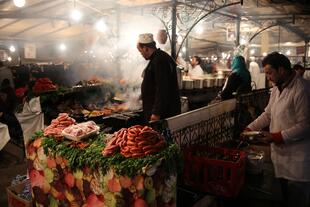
[(146, 38)]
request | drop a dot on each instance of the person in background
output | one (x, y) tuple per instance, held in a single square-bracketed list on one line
[(255, 72), (6, 73), (288, 117), (8, 104), (238, 81), (195, 71), (11, 100), (159, 88), (300, 70)]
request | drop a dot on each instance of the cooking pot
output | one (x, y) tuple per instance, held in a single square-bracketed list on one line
[(219, 81), (188, 84), (208, 82), (198, 83)]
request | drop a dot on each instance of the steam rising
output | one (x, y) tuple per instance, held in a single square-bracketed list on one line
[(117, 58)]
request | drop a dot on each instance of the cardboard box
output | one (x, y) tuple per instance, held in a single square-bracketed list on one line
[(13, 199)]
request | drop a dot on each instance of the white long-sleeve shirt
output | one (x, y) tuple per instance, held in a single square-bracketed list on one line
[(195, 72), (289, 113)]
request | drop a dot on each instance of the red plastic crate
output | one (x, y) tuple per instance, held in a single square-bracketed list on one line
[(218, 171)]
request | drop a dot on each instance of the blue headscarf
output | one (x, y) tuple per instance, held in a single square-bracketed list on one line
[(238, 66)]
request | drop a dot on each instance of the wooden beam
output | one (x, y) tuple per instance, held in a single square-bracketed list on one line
[(10, 23), (53, 32), (30, 28)]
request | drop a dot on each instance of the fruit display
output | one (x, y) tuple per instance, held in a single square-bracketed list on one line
[(70, 173), (43, 85)]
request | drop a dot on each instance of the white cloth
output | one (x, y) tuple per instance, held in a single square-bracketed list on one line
[(256, 76), (289, 113), (261, 81), (4, 135), (306, 75), (195, 72), (31, 119)]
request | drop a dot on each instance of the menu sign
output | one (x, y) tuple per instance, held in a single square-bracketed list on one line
[(30, 51)]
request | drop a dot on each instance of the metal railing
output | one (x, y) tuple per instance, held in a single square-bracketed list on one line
[(210, 125), (217, 123)]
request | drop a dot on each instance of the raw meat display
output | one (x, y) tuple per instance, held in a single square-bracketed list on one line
[(57, 125), (136, 141), (43, 85), (80, 130)]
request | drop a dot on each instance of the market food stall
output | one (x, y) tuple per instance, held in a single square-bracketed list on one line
[(76, 171), (102, 170)]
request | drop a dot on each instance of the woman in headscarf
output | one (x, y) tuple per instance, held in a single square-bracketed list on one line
[(238, 81)]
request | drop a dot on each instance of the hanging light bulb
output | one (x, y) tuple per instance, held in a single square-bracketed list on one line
[(12, 48), (62, 47), (76, 15), (243, 41), (101, 26), (9, 59), (19, 3)]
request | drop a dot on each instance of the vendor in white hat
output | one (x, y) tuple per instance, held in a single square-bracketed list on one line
[(159, 88)]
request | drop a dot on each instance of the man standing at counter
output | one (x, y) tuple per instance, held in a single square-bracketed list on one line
[(159, 88), (195, 71), (288, 117)]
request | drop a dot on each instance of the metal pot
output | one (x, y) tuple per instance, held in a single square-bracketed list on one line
[(184, 104), (208, 82), (255, 162), (198, 83), (219, 81), (188, 84)]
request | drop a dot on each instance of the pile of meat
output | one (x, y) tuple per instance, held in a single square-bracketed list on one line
[(57, 125), (81, 129), (43, 85), (136, 141)]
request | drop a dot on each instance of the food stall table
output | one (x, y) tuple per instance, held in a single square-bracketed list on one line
[(5, 136), (69, 173)]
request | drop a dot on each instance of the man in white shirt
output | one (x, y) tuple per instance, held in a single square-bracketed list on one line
[(288, 117), (196, 71)]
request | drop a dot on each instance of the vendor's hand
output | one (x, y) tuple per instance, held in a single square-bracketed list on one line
[(242, 136), (266, 137), (154, 117)]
